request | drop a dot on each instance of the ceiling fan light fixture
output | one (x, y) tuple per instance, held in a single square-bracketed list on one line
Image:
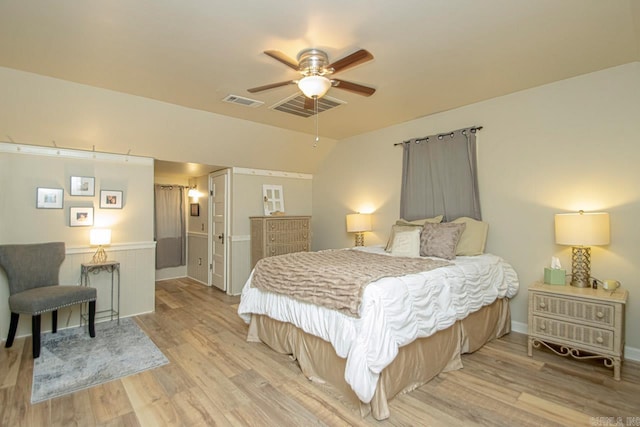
[(314, 86)]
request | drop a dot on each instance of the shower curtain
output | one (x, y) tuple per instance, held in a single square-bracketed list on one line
[(170, 234)]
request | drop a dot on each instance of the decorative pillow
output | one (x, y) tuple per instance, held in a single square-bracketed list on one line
[(440, 240), (404, 223), (406, 243), (474, 236)]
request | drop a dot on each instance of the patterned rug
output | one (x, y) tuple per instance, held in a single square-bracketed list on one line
[(70, 360)]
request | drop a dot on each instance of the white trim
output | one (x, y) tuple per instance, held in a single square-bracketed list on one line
[(241, 238), (116, 247), (8, 147), (197, 234), (519, 327), (264, 172), (630, 353)]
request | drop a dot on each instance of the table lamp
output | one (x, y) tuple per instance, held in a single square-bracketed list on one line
[(359, 223), (100, 237), (582, 230)]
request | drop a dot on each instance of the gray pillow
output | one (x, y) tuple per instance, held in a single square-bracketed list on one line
[(440, 240)]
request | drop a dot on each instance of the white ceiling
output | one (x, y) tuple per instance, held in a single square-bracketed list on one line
[(430, 55)]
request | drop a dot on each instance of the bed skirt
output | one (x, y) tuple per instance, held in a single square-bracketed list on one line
[(415, 365)]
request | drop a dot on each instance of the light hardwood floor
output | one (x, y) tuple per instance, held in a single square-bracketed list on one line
[(216, 378)]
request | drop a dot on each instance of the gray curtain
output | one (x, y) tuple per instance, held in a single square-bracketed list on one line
[(440, 177), (170, 234)]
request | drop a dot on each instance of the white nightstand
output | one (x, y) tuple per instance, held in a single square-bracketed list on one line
[(584, 323)]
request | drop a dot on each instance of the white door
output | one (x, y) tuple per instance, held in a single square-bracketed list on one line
[(218, 202)]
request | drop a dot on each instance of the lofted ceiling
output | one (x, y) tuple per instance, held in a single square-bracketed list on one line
[(430, 55)]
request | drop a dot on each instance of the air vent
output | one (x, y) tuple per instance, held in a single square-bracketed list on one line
[(247, 102), (295, 105)]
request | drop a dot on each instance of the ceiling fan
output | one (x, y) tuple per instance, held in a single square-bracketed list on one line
[(314, 66)]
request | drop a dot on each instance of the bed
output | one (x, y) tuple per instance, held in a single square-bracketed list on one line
[(405, 328)]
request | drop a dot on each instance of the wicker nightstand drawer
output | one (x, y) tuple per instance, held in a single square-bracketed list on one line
[(577, 310), (558, 331)]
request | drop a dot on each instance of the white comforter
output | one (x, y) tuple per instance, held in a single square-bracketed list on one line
[(394, 312)]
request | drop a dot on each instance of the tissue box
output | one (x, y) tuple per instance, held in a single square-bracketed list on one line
[(555, 276)]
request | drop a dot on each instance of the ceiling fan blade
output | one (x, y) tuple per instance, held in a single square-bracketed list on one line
[(308, 103), (352, 60), (354, 87), (270, 86), (279, 56)]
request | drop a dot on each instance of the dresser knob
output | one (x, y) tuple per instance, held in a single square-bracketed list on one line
[(599, 315), (599, 340), (543, 327), (543, 305)]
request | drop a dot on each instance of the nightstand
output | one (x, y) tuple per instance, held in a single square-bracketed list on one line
[(584, 323)]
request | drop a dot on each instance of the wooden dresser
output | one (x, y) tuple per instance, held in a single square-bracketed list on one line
[(583, 323), (278, 235)]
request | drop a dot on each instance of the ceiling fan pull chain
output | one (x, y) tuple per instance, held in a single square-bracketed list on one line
[(315, 106)]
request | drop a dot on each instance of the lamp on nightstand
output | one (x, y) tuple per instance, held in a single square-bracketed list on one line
[(582, 230), (359, 223)]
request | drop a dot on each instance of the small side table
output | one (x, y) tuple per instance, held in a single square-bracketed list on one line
[(112, 267), (584, 323)]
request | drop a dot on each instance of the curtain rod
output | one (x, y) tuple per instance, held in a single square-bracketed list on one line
[(440, 135)]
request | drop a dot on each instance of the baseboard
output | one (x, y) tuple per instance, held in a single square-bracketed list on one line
[(630, 353)]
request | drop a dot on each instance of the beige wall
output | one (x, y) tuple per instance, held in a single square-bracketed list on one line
[(132, 226), (562, 147), (38, 110)]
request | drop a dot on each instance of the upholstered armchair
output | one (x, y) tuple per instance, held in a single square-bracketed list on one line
[(33, 275)]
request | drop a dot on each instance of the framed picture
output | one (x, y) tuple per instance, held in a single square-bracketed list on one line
[(80, 217), (110, 199), (195, 209), (49, 198), (82, 186)]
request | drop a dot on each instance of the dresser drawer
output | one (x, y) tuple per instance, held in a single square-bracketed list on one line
[(273, 250), (287, 226), (579, 310), (287, 237), (565, 332)]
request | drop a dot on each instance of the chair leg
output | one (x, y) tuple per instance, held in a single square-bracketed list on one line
[(54, 321), (13, 327), (35, 335), (92, 319)]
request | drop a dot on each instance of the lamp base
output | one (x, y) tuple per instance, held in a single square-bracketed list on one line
[(359, 238), (100, 256), (580, 266)]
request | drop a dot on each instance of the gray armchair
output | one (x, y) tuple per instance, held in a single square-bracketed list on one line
[(32, 271)]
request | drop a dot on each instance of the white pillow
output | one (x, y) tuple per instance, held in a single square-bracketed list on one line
[(406, 243), (402, 224), (474, 237)]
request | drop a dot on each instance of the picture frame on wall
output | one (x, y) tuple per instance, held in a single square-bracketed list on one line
[(80, 217), (195, 209), (49, 198), (110, 199), (82, 186)]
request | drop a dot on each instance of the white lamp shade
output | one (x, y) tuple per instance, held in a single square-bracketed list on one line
[(100, 236), (314, 86), (358, 222), (582, 229)]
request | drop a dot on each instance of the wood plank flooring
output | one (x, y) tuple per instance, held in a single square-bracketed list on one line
[(215, 377)]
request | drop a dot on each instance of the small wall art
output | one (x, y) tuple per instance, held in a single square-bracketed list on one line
[(195, 209), (82, 186), (80, 217), (110, 199), (49, 198)]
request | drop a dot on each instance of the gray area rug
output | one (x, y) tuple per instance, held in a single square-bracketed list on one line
[(70, 360)]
